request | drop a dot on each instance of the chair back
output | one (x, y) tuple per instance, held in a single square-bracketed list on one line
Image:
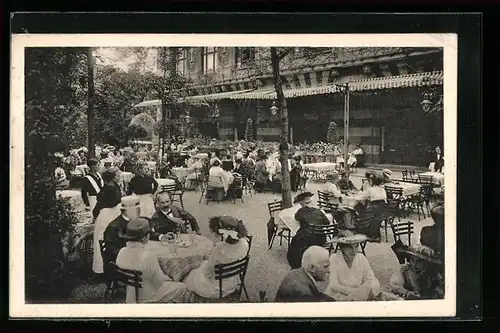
[(394, 192), (405, 174), (235, 268), (128, 277), (168, 188), (402, 229), (275, 206), (323, 196), (424, 179)]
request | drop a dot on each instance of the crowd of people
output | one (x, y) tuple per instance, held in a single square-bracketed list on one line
[(127, 219)]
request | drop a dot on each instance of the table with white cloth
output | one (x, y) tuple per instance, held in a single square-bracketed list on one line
[(75, 197), (409, 189), (163, 182), (126, 177), (182, 172), (321, 169), (286, 219), (437, 177), (200, 245)]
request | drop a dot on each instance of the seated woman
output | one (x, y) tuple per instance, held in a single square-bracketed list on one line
[(375, 199), (233, 247), (144, 186), (351, 277), (217, 177), (196, 165), (421, 277), (345, 185), (307, 215)]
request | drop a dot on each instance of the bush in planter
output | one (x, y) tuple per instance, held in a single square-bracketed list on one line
[(249, 130), (331, 135)]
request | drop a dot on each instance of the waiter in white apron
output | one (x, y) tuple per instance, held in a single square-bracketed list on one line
[(92, 184)]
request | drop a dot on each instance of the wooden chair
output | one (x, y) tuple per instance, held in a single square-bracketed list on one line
[(274, 207), (323, 196), (424, 179), (396, 193), (235, 268), (127, 277), (402, 229), (237, 187), (174, 192), (86, 251), (416, 202), (329, 231), (392, 213)]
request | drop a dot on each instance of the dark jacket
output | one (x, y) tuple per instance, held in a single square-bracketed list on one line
[(162, 224), (297, 286), (439, 162), (142, 185), (345, 185), (311, 216), (114, 242), (88, 189), (432, 236), (109, 197)]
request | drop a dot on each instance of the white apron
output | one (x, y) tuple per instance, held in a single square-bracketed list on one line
[(92, 202), (105, 217), (147, 205)]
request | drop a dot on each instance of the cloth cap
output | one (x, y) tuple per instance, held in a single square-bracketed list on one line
[(303, 196), (136, 228)]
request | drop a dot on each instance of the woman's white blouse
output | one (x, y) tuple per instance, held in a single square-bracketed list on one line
[(375, 193)]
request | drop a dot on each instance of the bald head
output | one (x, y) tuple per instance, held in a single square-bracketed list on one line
[(316, 262)]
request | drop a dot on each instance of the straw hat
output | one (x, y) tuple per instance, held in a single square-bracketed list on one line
[(303, 196), (387, 173), (350, 238), (130, 202), (422, 252)]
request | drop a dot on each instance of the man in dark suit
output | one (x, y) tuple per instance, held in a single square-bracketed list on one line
[(169, 218), (437, 158), (130, 208), (300, 284), (92, 184)]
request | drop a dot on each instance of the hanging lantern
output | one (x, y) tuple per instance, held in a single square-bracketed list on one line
[(274, 109)]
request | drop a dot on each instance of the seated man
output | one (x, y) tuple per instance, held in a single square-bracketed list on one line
[(433, 236), (345, 184), (169, 218), (300, 284), (157, 287)]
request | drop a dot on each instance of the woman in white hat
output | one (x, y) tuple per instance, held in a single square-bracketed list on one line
[(106, 210), (420, 278), (234, 246), (351, 277), (144, 186)]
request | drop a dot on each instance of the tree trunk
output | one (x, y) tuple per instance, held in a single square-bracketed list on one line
[(90, 97), (286, 192)]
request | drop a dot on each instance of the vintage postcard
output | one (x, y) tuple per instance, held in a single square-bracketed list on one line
[(226, 175)]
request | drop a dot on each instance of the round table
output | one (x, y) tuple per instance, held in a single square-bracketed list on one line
[(181, 173), (321, 166), (409, 189), (201, 246)]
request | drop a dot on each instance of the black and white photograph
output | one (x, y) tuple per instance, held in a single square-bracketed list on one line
[(233, 174)]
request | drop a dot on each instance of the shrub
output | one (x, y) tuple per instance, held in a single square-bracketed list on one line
[(331, 135), (249, 130)]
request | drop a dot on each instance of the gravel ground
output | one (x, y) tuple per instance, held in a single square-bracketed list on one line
[(267, 268)]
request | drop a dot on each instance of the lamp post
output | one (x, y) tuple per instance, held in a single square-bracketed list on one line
[(344, 90)]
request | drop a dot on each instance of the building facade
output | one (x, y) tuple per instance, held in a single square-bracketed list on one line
[(387, 86)]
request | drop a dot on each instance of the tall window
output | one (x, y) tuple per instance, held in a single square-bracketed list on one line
[(181, 61), (244, 55), (209, 59)]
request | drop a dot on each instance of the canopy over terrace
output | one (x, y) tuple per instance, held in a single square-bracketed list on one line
[(400, 81)]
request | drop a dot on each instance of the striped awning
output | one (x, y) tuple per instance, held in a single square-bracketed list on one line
[(216, 96), (390, 82)]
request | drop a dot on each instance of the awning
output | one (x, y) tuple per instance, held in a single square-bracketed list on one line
[(217, 96), (400, 81)]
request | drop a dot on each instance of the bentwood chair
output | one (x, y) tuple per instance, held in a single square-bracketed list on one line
[(127, 277), (175, 193), (275, 207), (329, 231), (402, 229), (236, 268)]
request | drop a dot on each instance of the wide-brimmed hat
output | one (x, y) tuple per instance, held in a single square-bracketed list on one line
[(303, 196), (370, 174), (350, 238), (386, 172), (136, 228), (130, 202), (422, 252)]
